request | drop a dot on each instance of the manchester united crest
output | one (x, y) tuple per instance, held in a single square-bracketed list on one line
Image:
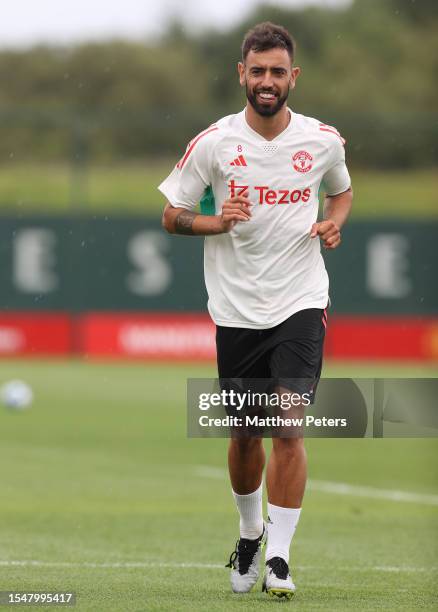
[(302, 161)]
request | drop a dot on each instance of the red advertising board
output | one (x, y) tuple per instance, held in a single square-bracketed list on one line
[(176, 337), (32, 334), (386, 338), (191, 336)]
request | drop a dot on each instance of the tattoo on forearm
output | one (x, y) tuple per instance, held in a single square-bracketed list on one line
[(184, 222)]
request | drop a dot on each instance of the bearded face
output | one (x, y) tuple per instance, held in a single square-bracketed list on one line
[(267, 77), (266, 102)]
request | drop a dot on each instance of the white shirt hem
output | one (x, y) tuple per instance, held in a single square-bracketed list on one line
[(250, 325)]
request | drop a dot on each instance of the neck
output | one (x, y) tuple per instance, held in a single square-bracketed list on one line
[(268, 127)]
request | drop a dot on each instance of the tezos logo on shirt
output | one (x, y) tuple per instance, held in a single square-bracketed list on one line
[(265, 195), (302, 161)]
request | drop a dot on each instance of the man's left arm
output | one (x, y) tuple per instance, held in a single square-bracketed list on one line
[(336, 211)]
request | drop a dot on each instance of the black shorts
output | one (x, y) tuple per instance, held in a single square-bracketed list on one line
[(290, 354)]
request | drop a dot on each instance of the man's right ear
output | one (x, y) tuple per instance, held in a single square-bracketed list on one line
[(241, 70)]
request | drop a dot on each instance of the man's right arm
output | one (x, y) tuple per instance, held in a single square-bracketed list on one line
[(187, 223)]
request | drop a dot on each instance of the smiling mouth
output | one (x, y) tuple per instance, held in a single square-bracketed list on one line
[(266, 96)]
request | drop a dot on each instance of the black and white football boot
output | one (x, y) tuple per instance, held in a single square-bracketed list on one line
[(277, 581), (245, 563)]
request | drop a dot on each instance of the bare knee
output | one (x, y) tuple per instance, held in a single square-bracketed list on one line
[(288, 448), (246, 446)]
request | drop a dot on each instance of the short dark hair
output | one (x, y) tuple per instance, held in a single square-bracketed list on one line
[(265, 36)]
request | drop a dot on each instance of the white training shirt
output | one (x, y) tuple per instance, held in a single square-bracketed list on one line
[(266, 269)]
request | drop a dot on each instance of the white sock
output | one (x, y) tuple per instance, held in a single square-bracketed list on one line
[(282, 523), (251, 513)]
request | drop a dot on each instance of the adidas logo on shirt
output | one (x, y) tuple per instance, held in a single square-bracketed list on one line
[(239, 161)]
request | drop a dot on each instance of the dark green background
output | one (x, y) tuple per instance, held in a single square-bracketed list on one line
[(93, 264)]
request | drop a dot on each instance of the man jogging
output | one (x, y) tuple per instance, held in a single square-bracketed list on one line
[(264, 273)]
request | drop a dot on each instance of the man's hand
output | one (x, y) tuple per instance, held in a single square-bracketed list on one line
[(234, 210), (329, 233), (336, 211)]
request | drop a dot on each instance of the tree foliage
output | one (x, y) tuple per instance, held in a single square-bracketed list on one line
[(370, 69)]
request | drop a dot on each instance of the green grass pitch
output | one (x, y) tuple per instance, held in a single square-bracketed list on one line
[(103, 494)]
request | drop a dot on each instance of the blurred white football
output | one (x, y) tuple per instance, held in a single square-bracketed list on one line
[(16, 395)]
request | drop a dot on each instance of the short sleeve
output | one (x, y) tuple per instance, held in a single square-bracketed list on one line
[(336, 179), (186, 184)]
